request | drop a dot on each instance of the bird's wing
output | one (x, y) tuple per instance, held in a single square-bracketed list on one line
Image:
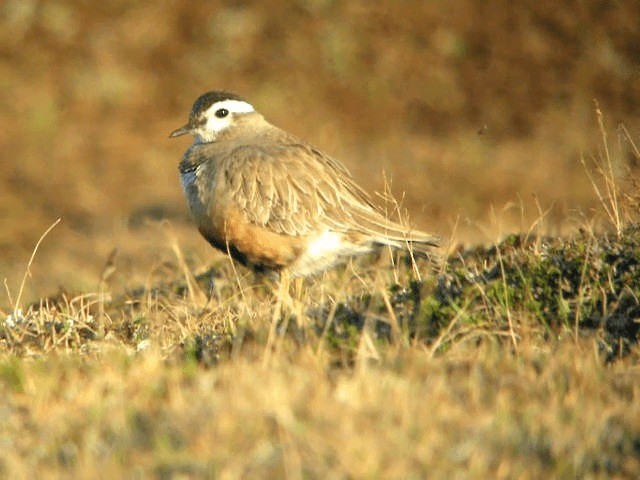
[(280, 187), (294, 189)]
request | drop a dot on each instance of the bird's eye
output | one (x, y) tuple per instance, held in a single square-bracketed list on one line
[(222, 112)]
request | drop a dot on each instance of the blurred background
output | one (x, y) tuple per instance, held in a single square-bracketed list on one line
[(475, 112)]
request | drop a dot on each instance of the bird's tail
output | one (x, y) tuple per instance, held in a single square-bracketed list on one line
[(385, 232), (419, 244), (366, 219)]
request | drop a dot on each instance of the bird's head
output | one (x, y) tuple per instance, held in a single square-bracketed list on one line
[(213, 114)]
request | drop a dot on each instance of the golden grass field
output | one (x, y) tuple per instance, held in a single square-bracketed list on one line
[(129, 348)]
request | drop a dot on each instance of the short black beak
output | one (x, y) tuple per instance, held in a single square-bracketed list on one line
[(181, 131)]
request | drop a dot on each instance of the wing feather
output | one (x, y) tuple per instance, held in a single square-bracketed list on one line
[(293, 189)]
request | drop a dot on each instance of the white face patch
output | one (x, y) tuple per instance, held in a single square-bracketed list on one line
[(217, 123)]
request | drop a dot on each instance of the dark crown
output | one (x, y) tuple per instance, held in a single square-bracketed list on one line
[(206, 100)]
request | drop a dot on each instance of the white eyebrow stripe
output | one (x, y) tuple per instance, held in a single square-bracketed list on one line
[(234, 106)]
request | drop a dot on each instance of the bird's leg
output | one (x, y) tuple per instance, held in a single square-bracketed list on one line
[(282, 296)]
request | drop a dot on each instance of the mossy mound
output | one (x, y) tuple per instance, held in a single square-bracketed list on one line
[(586, 284)]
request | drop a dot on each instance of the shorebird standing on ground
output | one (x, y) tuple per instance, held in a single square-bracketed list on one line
[(273, 201)]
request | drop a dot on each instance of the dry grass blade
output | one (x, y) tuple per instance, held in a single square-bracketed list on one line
[(632, 196), (395, 325), (609, 176), (609, 199), (629, 139), (107, 271), (283, 301), (196, 295), (330, 318), (512, 333), (27, 271), (538, 224), (583, 277), (447, 331)]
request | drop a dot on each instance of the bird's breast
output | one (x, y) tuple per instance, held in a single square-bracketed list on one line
[(190, 187), (197, 191)]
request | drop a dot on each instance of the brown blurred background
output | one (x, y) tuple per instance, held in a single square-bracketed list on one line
[(477, 112)]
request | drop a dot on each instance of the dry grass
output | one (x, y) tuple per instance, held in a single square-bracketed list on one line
[(466, 117), (158, 358), (475, 413), (214, 377)]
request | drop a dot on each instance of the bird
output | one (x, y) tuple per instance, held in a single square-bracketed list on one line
[(274, 202)]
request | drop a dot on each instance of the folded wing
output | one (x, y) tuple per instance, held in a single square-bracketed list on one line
[(294, 189)]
